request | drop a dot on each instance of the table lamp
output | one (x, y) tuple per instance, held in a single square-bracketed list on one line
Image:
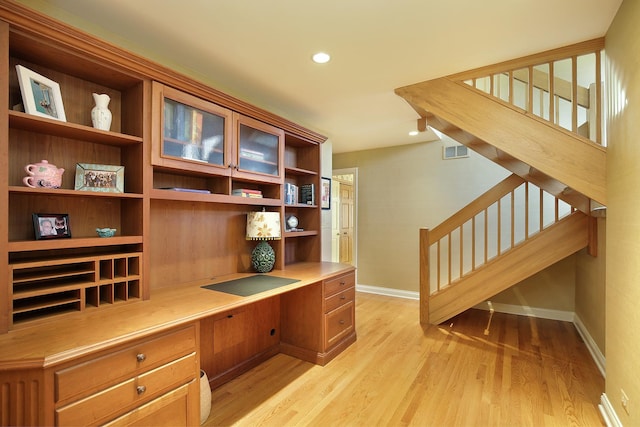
[(263, 226)]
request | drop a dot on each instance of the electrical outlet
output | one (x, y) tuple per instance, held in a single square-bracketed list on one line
[(624, 399)]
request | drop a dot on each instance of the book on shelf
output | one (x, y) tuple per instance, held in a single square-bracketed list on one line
[(308, 194), (186, 190), (246, 192), (196, 127), (179, 118), (169, 124), (290, 194)]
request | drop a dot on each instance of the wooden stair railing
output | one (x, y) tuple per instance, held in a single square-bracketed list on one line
[(559, 86), (551, 245), (520, 135), (507, 224)]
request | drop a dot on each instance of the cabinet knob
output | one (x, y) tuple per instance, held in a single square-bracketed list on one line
[(343, 297), (342, 283), (341, 322), (141, 357), (141, 389)]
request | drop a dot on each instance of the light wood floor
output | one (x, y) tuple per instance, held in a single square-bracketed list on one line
[(526, 372)]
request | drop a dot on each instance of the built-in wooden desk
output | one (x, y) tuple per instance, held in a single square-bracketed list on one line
[(140, 362)]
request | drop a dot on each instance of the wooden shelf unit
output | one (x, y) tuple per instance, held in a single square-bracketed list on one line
[(165, 242), (194, 235), (53, 286)]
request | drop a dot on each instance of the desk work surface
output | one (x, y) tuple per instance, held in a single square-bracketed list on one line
[(251, 285), (75, 334)]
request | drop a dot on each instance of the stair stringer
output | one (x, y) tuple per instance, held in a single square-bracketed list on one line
[(526, 140), (549, 246)]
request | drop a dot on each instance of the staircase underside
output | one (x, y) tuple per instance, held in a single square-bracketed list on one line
[(562, 163), (549, 246)]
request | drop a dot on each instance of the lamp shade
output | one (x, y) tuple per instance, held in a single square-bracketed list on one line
[(263, 226)]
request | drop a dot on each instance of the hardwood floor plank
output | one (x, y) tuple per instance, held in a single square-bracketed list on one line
[(525, 372)]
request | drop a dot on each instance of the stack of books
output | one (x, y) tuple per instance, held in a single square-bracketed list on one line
[(246, 192), (290, 194), (308, 194)]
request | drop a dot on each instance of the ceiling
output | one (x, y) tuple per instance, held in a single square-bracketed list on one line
[(260, 51)]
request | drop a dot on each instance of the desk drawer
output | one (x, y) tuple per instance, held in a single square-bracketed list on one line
[(339, 323), (340, 283), (96, 374), (123, 396), (335, 301)]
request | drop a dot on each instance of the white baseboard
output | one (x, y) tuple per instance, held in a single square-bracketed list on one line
[(597, 355), (399, 293), (608, 413)]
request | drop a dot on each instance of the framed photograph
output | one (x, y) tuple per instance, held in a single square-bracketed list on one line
[(325, 193), (51, 226), (100, 178), (40, 96)]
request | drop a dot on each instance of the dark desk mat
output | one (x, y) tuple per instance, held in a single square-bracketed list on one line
[(250, 285)]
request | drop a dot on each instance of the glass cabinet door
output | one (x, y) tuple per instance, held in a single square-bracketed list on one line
[(259, 148), (193, 134)]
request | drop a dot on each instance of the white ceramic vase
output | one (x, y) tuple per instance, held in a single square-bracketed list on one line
[(205, 397), (100, 114)]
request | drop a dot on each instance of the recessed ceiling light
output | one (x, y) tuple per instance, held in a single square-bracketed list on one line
[(413, 133), (321, 58)]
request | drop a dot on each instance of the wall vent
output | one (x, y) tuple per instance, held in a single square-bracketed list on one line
[(455, 152)]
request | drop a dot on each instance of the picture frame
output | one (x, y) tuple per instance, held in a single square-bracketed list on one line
[(41, 96), (51, 226), (325, 193), (99, 178)]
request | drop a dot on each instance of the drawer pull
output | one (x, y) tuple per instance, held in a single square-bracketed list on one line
[(141, 389), (141, 357), (342, 282), (343, 297), (341, 322)]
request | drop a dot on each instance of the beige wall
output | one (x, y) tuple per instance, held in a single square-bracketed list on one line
[(550, 289), (402, 189), (623, 203), (590, 289)]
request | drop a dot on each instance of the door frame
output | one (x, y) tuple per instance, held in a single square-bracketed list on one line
[(354, 173)]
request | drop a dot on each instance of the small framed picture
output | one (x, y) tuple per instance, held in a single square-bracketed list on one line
[(100, 178), (40, 96), (325, 193), (51, 226)]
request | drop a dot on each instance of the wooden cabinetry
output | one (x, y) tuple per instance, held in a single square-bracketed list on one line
[(166, 240), (196, 175), (339, 308), (27, 139), (319, 332), (203, 147), (156, 372), (236, 341), (302, 168), (73, 283), (229, 145), (191, 134)]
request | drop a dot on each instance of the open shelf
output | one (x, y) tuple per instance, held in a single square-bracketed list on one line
[(71, 193), (20, 120)]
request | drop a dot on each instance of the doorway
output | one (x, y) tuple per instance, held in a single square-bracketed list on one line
[(343, 219)]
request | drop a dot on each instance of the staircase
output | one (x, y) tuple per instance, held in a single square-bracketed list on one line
[(534, 117)]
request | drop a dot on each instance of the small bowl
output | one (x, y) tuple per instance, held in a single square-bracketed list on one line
[(106, 232)]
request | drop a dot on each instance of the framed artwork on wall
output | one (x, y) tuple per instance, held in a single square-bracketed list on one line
[(325, 193)]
